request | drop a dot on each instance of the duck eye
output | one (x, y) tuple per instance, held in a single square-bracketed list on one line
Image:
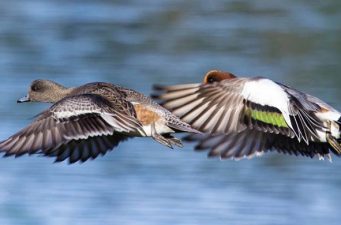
[(35, 88), (211, 80)]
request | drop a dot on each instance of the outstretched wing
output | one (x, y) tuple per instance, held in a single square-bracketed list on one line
[(73, 123), (238, 104), (84, 149), (250, 143)]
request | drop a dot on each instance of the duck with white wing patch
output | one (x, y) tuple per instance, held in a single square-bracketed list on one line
[(244, 117)]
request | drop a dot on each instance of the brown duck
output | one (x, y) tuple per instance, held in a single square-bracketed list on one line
[(89, 120)]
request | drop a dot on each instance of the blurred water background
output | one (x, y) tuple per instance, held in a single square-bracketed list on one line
[(137, 43)]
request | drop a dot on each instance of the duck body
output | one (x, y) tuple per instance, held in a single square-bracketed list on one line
[(150, 114), (243, 117), (89, 120), (288, 100)]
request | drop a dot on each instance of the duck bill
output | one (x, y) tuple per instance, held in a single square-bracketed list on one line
[(23, 99)]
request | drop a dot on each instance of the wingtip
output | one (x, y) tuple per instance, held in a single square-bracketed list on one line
[(158, 91), (200, 148), (198, 132), (190, 138), (158, 87), (155, 96)]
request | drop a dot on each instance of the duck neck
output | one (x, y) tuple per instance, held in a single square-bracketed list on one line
[(61, 93)]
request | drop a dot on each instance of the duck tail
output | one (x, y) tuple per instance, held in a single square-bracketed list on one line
[(181, 126), (334, 144)]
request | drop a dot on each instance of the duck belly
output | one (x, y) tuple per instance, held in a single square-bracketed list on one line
[(151, 121), (158, 127)]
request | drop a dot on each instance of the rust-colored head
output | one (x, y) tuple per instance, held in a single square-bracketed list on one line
[(217, 76)]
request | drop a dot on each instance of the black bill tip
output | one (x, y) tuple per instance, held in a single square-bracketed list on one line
[(23, 99)]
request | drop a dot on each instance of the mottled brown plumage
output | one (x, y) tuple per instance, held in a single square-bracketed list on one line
[(89, 120), (144, 115)]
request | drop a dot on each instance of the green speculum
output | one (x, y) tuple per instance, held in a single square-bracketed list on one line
[(272, 118)]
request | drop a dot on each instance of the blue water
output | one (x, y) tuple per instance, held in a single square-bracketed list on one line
[(135, 44)]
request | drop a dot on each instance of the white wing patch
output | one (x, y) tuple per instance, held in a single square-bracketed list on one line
[(266, 92), (71, 113)]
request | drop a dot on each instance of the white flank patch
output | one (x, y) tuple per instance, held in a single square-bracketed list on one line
[(335, 130), (328, 116), (267, 92), (148, 130), (160, 128), (322, 135)]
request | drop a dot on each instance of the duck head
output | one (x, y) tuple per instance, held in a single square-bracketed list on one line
[(45, 91), (217, 76)]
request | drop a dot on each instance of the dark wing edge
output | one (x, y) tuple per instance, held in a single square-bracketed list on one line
[(84, 149), (250, 143)]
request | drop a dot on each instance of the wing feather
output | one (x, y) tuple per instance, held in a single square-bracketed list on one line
[(245, 120), (225, 107), (250, 143), (83, 121)]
